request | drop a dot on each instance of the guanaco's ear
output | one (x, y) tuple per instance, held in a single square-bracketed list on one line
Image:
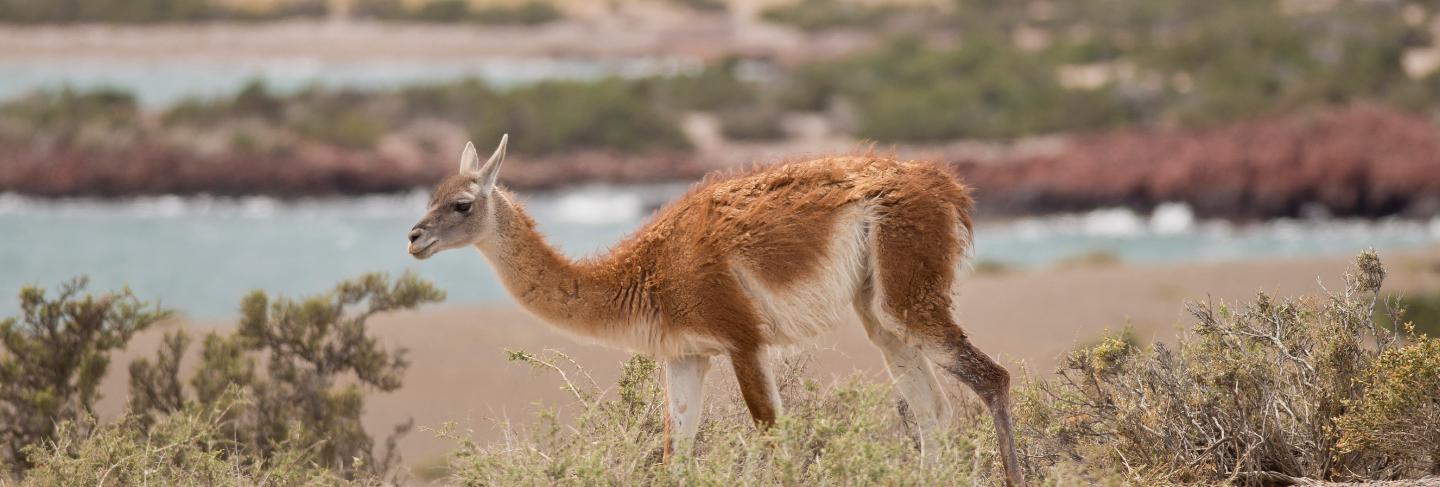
[(469, 162), (485, 175)]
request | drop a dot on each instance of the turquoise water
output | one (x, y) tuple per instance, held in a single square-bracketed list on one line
[(161, 82), (200, 255)]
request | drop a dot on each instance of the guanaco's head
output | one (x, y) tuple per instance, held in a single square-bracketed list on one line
[(459, 212)]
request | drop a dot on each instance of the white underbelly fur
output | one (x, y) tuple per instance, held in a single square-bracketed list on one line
[(797, 312), (801, 310)]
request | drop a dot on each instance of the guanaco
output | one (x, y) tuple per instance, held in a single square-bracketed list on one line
[(769, 257)]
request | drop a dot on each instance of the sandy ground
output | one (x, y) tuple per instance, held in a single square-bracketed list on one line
[(459, 372)]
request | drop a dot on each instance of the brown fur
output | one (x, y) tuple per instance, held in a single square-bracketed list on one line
[(672, 287), (774, 218)]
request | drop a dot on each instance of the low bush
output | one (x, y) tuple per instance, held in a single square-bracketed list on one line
[(345, 119), (441, 11), (1274, 391), (554, 116), (528, 12), (816, 15), (192, 446), (255, 100), (752, 123), (702, 5), (986, 88), (70, 118), (962, 69), (318, 356), (545, 118), (52, 358), (531, 12), (1394, 422), (1152, 62), (152, 11), (294, 420), (716, 87)]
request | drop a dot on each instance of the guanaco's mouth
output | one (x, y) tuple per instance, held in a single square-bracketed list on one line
[(423, 252)]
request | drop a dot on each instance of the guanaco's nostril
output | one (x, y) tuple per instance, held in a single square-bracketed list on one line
[(414, 234)]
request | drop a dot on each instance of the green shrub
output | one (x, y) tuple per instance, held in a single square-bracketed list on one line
[(556, 116), (253, 100), (64, 116), (190, 447), (1275, 391), (1270, 391), (36, 11), (53, 356), (530, 12), (715, 87), (1249, 58), (815, 15), (349, 119), (526, 13), (985, 88), (546, 117), (1395, 420), (752, 123), (343, 118), (352, 129), (1173, 63), (957, 72), (703, 5), (318, 356), (378, 9), (441, 11), (148, 11)]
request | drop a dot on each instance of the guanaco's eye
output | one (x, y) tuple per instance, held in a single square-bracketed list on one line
[(463, 206)]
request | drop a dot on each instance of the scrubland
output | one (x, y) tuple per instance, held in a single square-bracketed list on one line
[(1272, 390)]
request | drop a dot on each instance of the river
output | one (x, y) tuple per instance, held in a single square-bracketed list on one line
[(200, 255)]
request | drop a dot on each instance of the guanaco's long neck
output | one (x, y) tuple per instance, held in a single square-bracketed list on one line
[(581, 296)]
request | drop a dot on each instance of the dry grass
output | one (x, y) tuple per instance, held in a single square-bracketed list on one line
[(1257, 392), (1269, 392), (1274, 391), (846, 433)]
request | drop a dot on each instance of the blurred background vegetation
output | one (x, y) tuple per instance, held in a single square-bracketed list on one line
[(159, 11), (939, 71)]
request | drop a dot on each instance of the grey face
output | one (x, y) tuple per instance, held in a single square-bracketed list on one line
[(457, 212)]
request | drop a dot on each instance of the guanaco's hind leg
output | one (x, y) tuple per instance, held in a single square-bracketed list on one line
[(915, 250), (944, 344), (910, 371), (953, 352)]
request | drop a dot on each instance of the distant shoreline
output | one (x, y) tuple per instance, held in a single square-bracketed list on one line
[(705, 38), (1312, 164), (1356, 159)]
